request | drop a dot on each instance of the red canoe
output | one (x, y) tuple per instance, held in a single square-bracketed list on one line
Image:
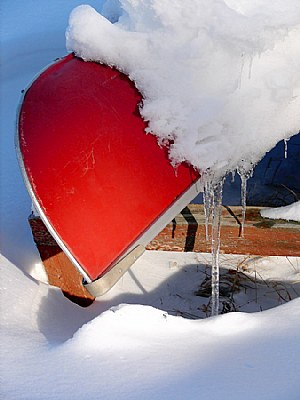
[(101, 185)]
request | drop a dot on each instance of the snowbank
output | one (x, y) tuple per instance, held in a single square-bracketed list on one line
[(53, 349), (289, 213), (220, 78)]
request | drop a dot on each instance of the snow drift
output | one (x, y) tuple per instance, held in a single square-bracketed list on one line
[(289, 213), (50, 346)]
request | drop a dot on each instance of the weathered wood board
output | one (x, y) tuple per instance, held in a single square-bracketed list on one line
[(264, 237)]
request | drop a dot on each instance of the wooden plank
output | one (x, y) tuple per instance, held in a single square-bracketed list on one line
[(264, 237), (61, 272)]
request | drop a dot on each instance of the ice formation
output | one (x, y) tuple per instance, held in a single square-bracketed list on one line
[(215, 240)]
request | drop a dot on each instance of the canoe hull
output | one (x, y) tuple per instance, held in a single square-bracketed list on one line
[(100, 184)]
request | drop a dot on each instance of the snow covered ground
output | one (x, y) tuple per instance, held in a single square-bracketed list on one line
[(128, 345), (146, 338), (289, 213)]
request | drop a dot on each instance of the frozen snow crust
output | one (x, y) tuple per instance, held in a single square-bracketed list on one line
[(220, 78)]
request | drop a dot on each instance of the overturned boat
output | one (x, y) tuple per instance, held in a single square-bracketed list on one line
[(102, 186)]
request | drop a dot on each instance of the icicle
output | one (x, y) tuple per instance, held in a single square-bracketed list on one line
[(250, 67), (206, 211), (215, 244), (243, 201), (239, 83), (233, 176), (207, 200), (286, 148), (244, 178)]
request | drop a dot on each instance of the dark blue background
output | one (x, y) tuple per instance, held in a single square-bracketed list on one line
[(275, 181)]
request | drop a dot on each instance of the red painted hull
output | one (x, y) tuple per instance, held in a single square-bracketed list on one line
[(98, 180)]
